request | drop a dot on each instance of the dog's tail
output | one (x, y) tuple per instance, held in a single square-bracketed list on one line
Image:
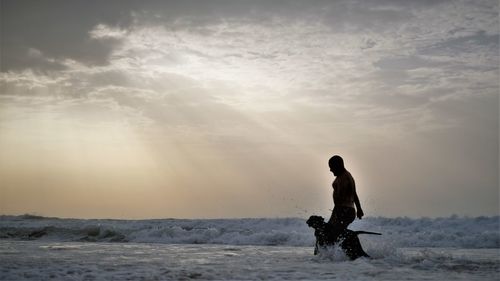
[(367, 232)]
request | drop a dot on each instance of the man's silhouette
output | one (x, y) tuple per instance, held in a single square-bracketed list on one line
[(344, 195)]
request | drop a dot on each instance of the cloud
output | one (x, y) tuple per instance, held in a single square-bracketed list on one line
[(102, 31), (396, 69), (388, 65), (225, 86)]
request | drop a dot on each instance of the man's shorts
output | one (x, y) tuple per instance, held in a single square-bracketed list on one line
[(342, 216)]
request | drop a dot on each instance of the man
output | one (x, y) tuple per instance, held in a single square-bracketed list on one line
[(344, 195)]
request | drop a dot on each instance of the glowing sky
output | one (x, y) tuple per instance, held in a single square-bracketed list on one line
[(210, 109)]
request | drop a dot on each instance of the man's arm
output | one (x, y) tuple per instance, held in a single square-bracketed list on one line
[(359, 211)]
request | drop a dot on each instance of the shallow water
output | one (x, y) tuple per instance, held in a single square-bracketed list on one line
[(42, 260)]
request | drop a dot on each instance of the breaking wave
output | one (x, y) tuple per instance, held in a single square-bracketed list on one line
[(454, 231)]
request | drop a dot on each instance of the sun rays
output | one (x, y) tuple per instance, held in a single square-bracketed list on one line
[(173, 111)]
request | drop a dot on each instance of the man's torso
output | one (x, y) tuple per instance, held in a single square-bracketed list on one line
[(343, 190)]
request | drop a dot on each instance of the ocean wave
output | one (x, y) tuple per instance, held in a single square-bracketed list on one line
[(454, 231)]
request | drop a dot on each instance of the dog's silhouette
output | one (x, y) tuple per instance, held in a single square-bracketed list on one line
[(329, 235)]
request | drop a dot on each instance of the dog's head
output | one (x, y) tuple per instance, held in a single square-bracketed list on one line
[(315, 221)]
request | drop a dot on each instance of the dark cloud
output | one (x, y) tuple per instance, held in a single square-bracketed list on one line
[(58, 29), (405, 63), (354, 18), (464, 44), (393, 71)]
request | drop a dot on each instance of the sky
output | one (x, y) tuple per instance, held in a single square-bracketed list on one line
[(228, 109)]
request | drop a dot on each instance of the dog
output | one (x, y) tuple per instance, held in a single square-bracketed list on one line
[(329, 235)]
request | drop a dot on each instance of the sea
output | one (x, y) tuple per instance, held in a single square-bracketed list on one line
[(46, 248)]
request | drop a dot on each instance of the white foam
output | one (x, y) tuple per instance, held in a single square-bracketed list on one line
[(45, 260), (454, 231)]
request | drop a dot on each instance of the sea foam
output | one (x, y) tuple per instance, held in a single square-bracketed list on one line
[(454, 231)]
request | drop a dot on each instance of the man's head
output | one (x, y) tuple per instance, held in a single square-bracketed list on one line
[(336, 164)]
